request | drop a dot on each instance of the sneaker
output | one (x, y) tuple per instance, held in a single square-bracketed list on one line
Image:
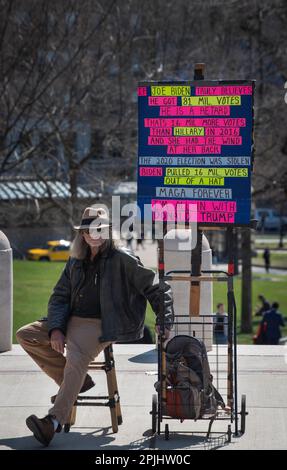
[(43, 429)]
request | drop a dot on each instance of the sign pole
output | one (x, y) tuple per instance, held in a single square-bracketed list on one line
[(196, 253)]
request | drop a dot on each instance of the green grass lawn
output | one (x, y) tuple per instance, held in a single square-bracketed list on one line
[(34, 281), (271, 245), (277, 259), (272, 287), (269, 239), (33, 284)]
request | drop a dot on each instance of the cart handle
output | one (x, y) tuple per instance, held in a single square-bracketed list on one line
[(181, 271)]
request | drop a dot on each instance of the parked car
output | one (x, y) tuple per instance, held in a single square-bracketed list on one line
[(269, 219), (56, 250)]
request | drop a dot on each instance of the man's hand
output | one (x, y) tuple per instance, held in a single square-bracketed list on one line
[(58, 341), (166, 331)]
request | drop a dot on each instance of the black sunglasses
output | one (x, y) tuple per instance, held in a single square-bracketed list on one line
[(88, 230)]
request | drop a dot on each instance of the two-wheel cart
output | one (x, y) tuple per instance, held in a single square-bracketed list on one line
[(222, 359)]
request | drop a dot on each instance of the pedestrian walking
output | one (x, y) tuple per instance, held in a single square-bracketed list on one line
[(266, 257)]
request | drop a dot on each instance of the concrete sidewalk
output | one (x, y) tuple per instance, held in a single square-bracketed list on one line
[(262, 376)]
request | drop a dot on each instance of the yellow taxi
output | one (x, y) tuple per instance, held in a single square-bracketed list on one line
[(56, 250)]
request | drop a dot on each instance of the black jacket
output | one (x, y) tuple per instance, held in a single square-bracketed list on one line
[(273, 321), (125, 287)]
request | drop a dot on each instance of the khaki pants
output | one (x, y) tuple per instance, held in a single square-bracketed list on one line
[(82, 346)]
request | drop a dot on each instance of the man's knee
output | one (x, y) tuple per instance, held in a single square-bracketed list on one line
[(29, 332), (23, 333)]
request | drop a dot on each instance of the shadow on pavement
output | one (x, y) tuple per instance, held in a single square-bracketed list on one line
[(149, 357), (95, 440), (187, 442), (102, 439)]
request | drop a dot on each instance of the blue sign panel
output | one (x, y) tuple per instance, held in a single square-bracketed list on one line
[(196, 151)]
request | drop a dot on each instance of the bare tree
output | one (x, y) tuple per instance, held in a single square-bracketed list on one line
[(68, 77), (57, 84)]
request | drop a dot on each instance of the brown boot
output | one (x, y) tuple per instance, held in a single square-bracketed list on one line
[(89, 383), (43, 429)]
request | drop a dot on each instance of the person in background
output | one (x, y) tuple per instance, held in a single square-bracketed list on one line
[(220, 327), (140, 243), (272, 321), (266, 257), (265, 306), (262, 222), (214, 256)]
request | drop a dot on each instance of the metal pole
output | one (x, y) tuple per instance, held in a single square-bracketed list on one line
[(161, 353), (230, 319), (160, 345), (235, 361), (232, 306), (196, 253)]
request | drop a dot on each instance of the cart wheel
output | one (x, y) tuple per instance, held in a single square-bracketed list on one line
[(166, 432), (229, 433), (154, 413), (67, 428), (243, 414)]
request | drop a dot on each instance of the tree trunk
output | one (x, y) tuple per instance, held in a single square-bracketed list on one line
[(246, 294)]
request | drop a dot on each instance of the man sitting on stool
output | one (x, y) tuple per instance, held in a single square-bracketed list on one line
[(100, 299)]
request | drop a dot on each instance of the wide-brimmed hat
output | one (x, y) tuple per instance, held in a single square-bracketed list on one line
[(97, 216)]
